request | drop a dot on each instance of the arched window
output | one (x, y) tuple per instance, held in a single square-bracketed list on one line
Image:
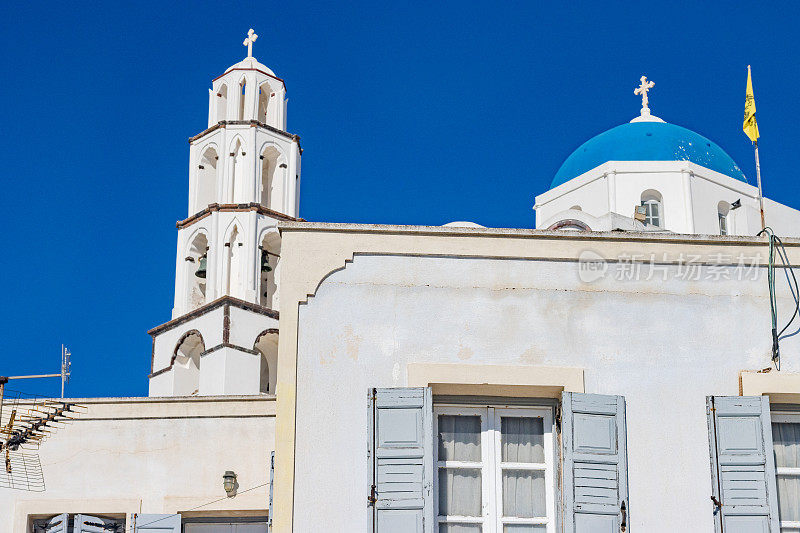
[(195, 274), (236, 172), (206, 179), (264, 93), (222, 103), (267, 346), (270, 249), (273, 170), (723, 209), (186, 364), (242, 100), (234, 285), (653, 208)]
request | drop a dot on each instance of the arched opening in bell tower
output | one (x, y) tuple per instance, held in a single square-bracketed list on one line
[(222, 103), (195, 273), (236, 171), (273, 168), (264, 92), (186, 363), (267, 346), (242, 99), (234, 249), (206, 179), (270, 256)]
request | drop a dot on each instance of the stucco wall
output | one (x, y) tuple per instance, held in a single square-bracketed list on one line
[(152, 455), (664, 345), (690, 193)]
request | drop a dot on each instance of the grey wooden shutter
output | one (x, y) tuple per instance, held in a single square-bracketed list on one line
[(156, 523), (92, 524), (595, 463), (401, 460), (57, 524), (742, 464), (271, 488)]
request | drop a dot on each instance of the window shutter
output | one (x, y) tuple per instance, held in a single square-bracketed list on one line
[(401, 460), (57, 524), (271, 488), (156, 523), (742, 464), (595, 463), (91, 524)]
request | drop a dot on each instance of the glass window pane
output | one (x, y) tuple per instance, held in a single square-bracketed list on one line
[(250, 528), (207, 528), (460, 492), (522, 439), (459, 438), (524, 528), (459, 528), (786, 441), (789, 498), (523, 494)]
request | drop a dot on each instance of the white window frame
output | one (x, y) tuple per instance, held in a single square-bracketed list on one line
[(491, 519), (648, 214), (786, 418), (723, 223)]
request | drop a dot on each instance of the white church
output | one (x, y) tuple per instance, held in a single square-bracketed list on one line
[(612, 370)]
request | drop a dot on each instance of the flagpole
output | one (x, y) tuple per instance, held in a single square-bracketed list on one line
[(760, 193)]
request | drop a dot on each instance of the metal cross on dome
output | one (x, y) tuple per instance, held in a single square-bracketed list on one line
[(249, 40), (642, 89)]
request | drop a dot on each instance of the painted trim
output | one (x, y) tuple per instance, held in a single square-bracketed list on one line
[(215, 207), (252, 123), (781, 387), (223, 300), (255, 69), (496, 380)]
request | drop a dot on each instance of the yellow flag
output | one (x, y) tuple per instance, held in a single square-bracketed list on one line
[(750, 126)]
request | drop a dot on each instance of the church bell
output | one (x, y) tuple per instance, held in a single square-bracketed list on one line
[(265, 262), (201, 270)]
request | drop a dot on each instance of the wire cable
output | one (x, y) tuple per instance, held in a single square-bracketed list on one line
[(776, 246), (199, 506)]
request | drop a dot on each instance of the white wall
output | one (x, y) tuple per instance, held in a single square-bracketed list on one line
[(143, 455), (665, 345), (690, 193)]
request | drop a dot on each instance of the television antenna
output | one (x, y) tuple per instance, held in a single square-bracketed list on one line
[(24, 423)]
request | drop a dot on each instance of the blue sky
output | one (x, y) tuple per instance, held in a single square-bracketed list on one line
[(420, 113)]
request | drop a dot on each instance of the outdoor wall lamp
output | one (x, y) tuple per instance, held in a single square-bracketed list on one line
[(229, 483)]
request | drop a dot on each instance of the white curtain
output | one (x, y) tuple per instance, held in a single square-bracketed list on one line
[(523, 493), (224, 527), (459, 438), (523, 528), (522, 441), (459, 528), (786, 441), (460, 488)]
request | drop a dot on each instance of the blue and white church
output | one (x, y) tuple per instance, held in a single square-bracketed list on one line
[(675, 180), (372, 378)]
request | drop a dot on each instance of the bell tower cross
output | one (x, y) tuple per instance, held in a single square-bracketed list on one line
[(249, 40)]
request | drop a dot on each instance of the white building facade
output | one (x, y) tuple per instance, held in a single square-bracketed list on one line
[(468, 379)]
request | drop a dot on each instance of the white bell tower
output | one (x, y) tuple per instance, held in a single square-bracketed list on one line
[(244, 178)]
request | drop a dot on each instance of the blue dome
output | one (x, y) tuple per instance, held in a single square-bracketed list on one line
[(647, 141)]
